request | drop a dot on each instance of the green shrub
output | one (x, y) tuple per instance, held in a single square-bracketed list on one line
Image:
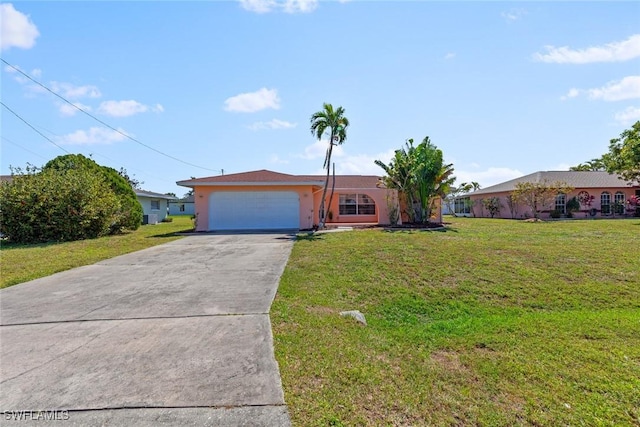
[(555, 213), (53, 205), (129, 215)]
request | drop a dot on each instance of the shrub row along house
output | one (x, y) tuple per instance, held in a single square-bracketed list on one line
[(597, 194), (267, 200)]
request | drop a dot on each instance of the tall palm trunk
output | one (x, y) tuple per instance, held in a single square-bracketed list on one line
[(323, 211), (333, 187)]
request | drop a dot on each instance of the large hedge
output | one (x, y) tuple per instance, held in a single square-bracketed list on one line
[(129, 215), (56, 206), (70, 198)]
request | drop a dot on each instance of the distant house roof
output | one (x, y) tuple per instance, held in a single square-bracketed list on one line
[(6, 178), (576, 179), (267, 177), (151, 194), (188, 199)]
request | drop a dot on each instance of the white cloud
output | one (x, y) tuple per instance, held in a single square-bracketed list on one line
[(610, 52), (573, 92), (318, 150), (69, 90), (363, 164), (16, 30), (258, 6), (122, 108), (488, 177), (277, 160), (95, 135), (450, 55), (68, 110), (287, 6), (627, 88), (253, 101), (561, 167), (20, 78), (628, 116), (300, 6), (272, 124), (513, 15), (158, 108)]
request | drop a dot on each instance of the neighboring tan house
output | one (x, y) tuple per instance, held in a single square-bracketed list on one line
[(602, 194), (154, 206), (267, 200), (184, 206)]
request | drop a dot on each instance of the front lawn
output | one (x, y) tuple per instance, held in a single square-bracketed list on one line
[(493, 322), (20, 263)]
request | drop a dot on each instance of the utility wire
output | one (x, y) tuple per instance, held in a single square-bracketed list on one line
[(98, 154), (24, 148), (102, 122), (32, 127)]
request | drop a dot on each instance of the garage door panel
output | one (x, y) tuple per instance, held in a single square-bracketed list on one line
[(254, 210)]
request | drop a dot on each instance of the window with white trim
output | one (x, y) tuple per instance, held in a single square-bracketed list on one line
[(356, 204), (155, 205), (605, 203), (462, 205), (561, 203), (619, 200)]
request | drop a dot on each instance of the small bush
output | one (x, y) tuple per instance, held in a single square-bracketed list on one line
[(555, 214), (56, 205), (129, 214)]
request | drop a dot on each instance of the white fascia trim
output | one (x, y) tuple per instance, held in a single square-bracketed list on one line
[(247, 184)]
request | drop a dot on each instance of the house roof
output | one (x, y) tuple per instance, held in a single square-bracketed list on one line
[(267, 177), (188, 199), (6, 178), (576, 179), (143, 193)]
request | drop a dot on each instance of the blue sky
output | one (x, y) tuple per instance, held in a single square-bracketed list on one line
[(503, 88)]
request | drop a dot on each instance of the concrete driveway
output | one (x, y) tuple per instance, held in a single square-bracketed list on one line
[(177, 334)]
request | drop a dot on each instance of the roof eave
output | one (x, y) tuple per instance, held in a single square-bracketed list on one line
[(248, 183)]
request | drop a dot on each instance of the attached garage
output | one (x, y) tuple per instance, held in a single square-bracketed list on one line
[(254, 210)]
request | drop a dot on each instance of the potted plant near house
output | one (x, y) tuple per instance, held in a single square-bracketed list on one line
[(585, 199), (573, 205)]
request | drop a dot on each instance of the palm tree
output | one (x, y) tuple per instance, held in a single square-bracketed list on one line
[(419, 174), (399, 176), (336, 124)]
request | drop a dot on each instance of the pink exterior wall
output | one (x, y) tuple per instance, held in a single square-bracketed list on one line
[(379, 196), (203, 193), (523, 211)]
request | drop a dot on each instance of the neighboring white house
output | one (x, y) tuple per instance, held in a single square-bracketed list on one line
[(155, 206), (184, 206)]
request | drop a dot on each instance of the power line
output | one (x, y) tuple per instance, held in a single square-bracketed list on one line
[(102, 122), (93, 152), (32, 127), (24, 148)]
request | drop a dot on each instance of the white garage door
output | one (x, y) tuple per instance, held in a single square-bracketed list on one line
[(254, 210)]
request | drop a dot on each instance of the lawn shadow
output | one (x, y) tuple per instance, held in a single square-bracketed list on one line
[(309, 237), (6, 246), (412, 230), (170, 234)]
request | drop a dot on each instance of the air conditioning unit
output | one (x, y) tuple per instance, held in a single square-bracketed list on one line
[(151, 219)]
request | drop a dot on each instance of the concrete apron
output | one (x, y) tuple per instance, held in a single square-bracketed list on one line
[(177, 334)]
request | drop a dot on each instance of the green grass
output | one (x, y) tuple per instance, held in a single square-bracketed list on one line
[(20, 263), (493, 322)]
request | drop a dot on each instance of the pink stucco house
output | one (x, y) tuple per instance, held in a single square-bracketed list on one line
[(263, 200), (607, 196)]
